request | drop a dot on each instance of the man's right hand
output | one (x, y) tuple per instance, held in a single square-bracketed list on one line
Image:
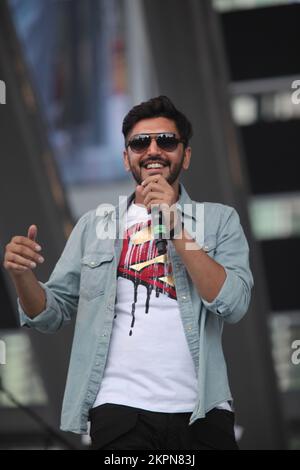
[(23, 253)]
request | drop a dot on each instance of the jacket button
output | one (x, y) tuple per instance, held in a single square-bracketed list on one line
[(183, 297), (92, 263)]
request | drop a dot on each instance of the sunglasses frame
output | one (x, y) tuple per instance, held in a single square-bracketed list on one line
[(154, 135)]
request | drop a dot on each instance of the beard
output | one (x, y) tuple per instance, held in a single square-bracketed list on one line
[(175, 171)]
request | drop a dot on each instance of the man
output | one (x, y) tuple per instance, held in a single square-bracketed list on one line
[(147, 366)]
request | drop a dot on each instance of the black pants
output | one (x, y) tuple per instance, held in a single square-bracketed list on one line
[(118, 427)]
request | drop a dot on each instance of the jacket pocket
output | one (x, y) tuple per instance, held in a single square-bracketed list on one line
[(94, 274)]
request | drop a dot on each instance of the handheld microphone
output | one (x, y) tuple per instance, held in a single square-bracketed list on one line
[(159, 230)]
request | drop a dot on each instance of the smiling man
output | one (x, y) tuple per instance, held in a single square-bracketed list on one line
[(147, 366), (154, 147)]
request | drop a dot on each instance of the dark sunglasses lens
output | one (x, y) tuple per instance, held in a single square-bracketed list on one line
[(167, 143), (140, 144)]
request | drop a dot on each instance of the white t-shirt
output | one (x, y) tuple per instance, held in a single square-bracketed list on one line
[(149, 364)]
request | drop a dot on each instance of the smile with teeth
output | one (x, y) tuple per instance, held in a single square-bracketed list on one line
[(154, 165)]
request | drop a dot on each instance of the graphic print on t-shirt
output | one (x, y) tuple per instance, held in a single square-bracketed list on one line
[(141, 263)]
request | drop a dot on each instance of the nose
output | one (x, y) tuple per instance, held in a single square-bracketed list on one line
[(153, 148)]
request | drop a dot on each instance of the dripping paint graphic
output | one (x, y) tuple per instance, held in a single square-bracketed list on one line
[(140, 263)]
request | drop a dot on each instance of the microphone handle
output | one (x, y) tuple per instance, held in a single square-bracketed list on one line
[(160, 230)]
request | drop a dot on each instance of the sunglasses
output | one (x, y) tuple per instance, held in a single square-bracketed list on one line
[(165, 141)]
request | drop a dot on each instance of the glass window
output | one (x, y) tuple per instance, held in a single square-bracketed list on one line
[(76, 53)]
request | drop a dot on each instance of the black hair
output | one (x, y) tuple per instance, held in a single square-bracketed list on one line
[(161, 106)]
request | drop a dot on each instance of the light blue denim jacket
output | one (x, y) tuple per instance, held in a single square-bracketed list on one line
[(84, 282)]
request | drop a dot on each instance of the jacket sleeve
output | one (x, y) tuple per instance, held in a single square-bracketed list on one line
[(62, 288), (232, 252)]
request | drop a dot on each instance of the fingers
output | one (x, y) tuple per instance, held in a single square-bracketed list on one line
[(23, 253), (21, 258), (155, 179), (149, 189), (153, 190), (18, 240), (15, 267), (32, 232), (151, 196), (153, 186), (20, 261), (156, 186), (156, 190)]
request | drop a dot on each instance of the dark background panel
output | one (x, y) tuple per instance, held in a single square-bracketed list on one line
[(8, 318), (262, 42), (282, 263), (272, 156)]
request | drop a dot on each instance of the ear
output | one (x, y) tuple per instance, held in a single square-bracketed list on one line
[(187, 158), (126, 160)]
